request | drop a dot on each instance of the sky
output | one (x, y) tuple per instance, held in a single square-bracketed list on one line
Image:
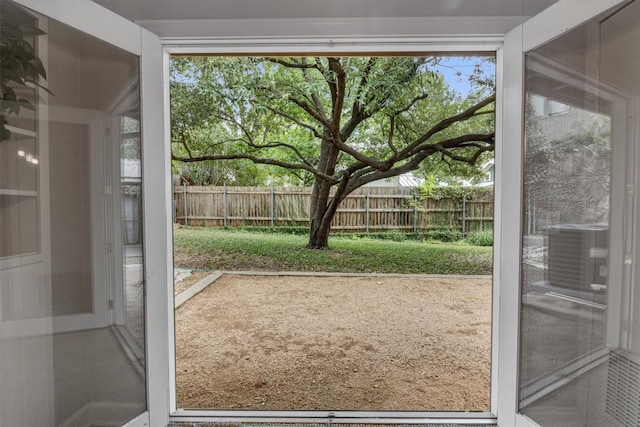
[(451, 65)]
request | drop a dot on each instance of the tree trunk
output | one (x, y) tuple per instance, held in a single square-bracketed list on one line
[(319, 224), (319, 237), (322, 213), (319, 230)]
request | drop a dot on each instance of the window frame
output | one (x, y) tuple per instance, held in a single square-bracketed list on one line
[(339, 46)]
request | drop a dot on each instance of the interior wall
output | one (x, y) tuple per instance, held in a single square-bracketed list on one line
[(70, 218)]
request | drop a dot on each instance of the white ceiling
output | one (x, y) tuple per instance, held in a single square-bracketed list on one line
[(145, 10)]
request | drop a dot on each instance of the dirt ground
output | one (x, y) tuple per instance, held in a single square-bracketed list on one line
[(343, 343)]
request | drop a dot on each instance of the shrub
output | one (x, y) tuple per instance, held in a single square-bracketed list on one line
[(444, 234), (480, 238)]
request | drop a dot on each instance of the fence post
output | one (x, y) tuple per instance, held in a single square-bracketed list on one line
[(415, 213), (184, 202), (464, 216), (224, 205), (271, 207), (366, 210)]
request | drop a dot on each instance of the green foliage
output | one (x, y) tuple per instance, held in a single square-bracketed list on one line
[(19, 64), (219, 249), (480, 238), (225, 106), (444, 234), (453, 192), (218, 172)]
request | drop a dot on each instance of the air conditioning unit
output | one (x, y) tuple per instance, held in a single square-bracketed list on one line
[(577, 257)]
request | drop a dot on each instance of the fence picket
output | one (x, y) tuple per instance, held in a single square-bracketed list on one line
[(368, 209)]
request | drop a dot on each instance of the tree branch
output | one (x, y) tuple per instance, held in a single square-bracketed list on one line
[(311, 111), (444, 124), (259, 160), (183, 140), (469, 160), (293, 119), (363, 174), (276, 144), (392, 126), (337, 93), (370, 161), (366, 176), (461, 141), (411, 103), (293, 64), (314, 96)]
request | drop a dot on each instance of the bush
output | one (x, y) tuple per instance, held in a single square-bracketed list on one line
[(480, 238), (444, 234)]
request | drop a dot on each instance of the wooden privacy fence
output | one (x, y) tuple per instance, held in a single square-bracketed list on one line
[(367, 209)]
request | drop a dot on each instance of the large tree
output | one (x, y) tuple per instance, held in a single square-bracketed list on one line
[(344, 122)]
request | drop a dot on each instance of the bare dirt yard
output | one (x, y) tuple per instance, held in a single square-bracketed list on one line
[(343, 343)]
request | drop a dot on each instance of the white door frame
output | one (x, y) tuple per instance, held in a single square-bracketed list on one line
[(300, 46)]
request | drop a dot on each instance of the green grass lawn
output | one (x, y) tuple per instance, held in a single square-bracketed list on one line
[(219, 249)]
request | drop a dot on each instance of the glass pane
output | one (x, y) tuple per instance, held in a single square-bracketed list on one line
[(18, 225), (71, 255), (580, 216), (131, 207), (18, 163)]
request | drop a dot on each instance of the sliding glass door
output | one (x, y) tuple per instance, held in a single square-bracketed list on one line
[(72, 288), (579, 359)]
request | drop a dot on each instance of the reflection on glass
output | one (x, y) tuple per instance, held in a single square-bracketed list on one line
[(71, 308), (565, 241), (579, 202), (131, 207)]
